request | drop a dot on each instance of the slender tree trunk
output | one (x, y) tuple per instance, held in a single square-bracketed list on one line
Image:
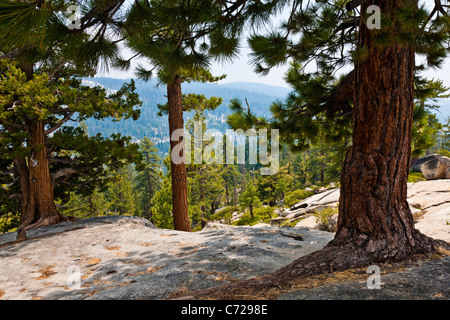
[(235, 194), (227, 194), (36, 186), (179, 175), (213, 206), (203, 199)]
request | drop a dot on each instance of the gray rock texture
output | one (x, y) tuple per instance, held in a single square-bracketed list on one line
[(429, 280), (128, 258)]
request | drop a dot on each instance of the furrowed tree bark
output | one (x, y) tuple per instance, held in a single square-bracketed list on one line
[(179, 176), (36, 186), (375, 223), (374, 213)]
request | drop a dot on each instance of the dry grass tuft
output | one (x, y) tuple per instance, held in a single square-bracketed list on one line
[(112, 248), (46, 272)]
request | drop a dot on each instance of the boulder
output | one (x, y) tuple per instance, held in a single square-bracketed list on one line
[(433, 166), (309, 222), (277, 221), (429, 202), (320, 208), (285, 213)]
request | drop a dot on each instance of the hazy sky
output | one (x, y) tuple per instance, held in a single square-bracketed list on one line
[(240, 70)]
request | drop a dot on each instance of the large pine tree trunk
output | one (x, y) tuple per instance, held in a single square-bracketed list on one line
[(375, 223), (179, 176), (36, 186), (374, 213)]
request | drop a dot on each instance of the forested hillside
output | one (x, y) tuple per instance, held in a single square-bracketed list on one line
[(259, 97)]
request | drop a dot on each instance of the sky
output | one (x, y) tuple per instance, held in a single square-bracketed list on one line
[(240, 70)]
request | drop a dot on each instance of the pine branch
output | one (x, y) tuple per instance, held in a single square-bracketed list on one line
[(60, 123), (94, 16), (341, 93), (14, 53), (63, 173), (66, 160), (354, 4)]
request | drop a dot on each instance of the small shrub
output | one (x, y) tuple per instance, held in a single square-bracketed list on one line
[(225, 213), (298, 195), (262, 214), (9, 222), (324, 219), (415, 177), (444, 152)]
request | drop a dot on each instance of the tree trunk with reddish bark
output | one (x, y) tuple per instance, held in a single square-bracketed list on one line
[(179, 175), (375, 223), (374, 213), (36, 185)]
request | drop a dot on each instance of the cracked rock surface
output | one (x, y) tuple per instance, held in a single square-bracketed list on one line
[(128, 258)]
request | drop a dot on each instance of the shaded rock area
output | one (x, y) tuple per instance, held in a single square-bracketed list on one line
[(430, 280)]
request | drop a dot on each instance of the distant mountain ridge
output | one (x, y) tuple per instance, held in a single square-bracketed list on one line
[(262, 88), (259, 96)]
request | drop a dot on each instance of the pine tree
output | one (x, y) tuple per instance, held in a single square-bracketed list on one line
[(162, 212), (147, 179), (44, 158), (425, 124), (445, 138), (376, 97), (180, 38), (249, 198), (40, 93), (232, 180), (205, 181), (272, 188), (89, 206), (122, 200)]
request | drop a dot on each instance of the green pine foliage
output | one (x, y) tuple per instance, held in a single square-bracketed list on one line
[(78, 161), (249, 198), (162, 201), (147, 180)]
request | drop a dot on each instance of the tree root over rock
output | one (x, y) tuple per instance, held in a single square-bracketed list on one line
[(335, 262), (43, 222)]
